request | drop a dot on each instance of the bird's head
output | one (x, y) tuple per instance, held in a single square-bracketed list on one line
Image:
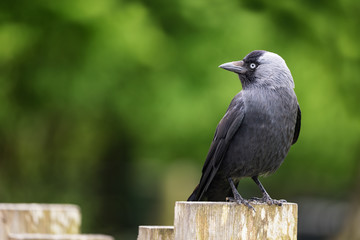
[(261, 69)]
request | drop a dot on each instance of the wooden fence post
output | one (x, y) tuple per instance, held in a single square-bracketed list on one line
[(222, 220), (59, 237), (43, 222), (156, 233), (39, 218)]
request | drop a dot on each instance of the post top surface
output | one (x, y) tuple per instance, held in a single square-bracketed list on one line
[(229, 203), (157, 227), (38, 206), (40, 236)]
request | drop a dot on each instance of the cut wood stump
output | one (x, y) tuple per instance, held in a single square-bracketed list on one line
[(156, 233), (222, 220), (39, 218)]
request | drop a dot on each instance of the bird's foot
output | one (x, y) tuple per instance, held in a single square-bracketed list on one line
[(237, 197), (268, 200), (240, 200)]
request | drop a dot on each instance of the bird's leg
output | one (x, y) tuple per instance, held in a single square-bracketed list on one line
[(237, 197), (266, 197)]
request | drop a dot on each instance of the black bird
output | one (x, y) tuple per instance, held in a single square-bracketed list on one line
[(255, 135)]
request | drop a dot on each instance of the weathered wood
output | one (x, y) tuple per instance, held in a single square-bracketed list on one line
[(39, 218), (156, 233), (222, 220), (59, 237)]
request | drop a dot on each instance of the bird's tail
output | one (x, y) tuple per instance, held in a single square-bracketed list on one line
[(193, 196)]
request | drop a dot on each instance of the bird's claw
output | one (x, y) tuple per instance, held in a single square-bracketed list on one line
[(255, 199), (268, 200), (240, 201)]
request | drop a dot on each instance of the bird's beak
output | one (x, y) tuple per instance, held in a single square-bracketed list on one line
[(236, 67)]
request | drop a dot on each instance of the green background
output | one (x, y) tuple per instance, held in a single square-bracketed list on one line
[(112, 105)]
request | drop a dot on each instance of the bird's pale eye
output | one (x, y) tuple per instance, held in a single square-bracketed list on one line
[(252, 65)]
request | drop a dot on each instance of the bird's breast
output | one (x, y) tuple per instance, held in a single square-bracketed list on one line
[(264, 137)]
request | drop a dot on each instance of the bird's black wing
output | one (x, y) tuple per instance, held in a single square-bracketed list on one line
[(224, 133), (297, 125)]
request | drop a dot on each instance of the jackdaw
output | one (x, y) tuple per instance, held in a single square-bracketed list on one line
[(255, 135)]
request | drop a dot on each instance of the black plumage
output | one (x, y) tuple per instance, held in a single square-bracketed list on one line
[(256, 132)]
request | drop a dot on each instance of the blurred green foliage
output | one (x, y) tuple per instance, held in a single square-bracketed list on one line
[(104, 103)]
